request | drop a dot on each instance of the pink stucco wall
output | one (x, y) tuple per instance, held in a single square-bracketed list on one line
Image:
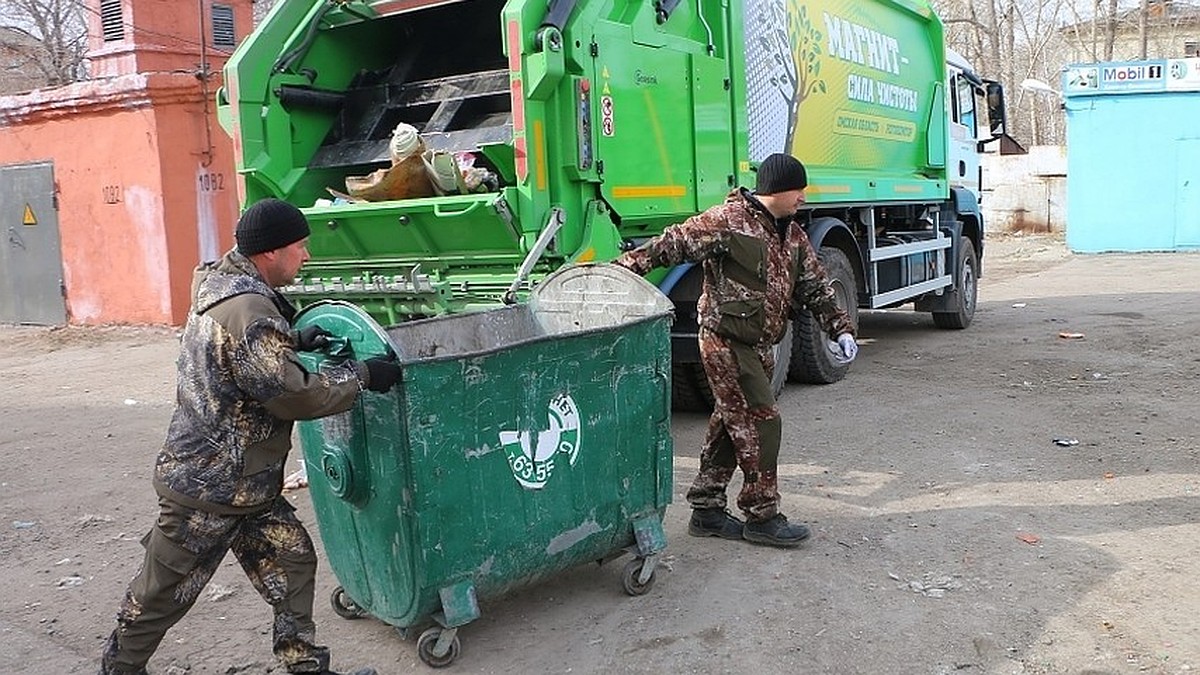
[(144, 175), (140, 202), (159, 35)]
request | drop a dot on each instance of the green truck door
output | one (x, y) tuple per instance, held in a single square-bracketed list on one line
[(644, 126)]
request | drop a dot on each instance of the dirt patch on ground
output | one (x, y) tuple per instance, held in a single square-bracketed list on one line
[(994, 500), (54, 338)]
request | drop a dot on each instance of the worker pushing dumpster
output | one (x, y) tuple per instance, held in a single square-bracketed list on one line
[(519, 442)]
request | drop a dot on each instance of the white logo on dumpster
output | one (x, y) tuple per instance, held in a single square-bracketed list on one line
[(531, 454)]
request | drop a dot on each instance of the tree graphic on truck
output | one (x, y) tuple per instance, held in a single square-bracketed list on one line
[(794, 46)]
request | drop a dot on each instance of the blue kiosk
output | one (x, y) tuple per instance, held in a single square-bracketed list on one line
[(1133, 155)]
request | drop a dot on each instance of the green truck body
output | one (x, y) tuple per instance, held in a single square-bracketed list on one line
[(605, 122)]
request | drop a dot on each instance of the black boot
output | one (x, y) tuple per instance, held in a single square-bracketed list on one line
[(108, 664), (109, 669), (714, 523), (319, 665), (775, 531)]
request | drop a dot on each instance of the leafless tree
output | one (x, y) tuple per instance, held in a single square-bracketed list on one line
[(1143, 32), (261, 7), (1151, 29), (46, 40), (1009, 41), (1110, 29)]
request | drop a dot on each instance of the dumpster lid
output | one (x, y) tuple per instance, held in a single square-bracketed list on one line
[(354, 333), (574, 299), (590, 296)]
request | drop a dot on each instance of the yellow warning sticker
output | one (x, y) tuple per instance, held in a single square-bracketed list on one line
[(30, 219)]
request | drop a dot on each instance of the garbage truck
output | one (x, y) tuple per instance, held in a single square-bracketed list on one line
[(591, 125)]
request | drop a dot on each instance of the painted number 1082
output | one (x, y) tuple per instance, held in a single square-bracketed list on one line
[(212, 182)]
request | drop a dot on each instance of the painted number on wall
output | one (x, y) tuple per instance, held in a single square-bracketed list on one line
[(212, 182), (112, 194)]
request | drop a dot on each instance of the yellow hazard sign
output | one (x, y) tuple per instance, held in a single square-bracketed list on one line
[(30, 219)]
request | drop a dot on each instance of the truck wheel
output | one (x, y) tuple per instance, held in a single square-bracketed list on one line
[(690, 391), (811, 360), (783, 361), (689, 388), (968, 290), (689, 385)]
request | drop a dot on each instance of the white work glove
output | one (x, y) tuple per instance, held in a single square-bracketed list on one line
[(845, 349)]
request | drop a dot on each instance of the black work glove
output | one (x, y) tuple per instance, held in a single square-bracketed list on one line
[(382, 373), (312, 338)]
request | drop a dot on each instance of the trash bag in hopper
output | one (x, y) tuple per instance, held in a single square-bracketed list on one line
[(444, 172), (406, 178)]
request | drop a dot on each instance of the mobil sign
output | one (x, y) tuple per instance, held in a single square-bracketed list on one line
[(1135, 76)]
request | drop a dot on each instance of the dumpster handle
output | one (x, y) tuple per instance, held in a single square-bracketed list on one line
[(553, 225), (448, 213), (664, 381)]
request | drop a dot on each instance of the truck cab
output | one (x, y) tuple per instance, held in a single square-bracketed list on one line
[(965, 90)]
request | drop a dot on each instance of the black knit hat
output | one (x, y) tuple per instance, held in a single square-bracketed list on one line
[(269, 224), (780, 173)]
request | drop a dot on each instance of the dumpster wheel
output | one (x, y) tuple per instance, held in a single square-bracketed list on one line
[(632, 577), (343, 606), (427, 646)]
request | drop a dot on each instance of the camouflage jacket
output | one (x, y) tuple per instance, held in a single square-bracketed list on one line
[(756, 275), (240, 387)]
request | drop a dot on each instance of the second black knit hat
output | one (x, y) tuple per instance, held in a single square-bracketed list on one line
[(269, 224), (780, 173)]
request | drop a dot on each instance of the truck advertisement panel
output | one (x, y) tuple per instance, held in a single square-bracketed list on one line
[(840, 83)]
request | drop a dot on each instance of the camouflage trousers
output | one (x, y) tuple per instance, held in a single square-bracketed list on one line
[(744, 430), (183, 551)]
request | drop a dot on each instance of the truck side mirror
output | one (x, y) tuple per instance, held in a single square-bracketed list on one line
[(995, 105)]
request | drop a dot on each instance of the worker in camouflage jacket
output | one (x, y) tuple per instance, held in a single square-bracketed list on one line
[(219, 475), (759, 272)]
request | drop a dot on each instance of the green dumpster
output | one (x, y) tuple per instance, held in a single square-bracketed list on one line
[(519, 442)]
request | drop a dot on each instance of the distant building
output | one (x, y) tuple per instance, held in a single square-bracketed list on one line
[(117, 185), (1172, 30), (19, 54)]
